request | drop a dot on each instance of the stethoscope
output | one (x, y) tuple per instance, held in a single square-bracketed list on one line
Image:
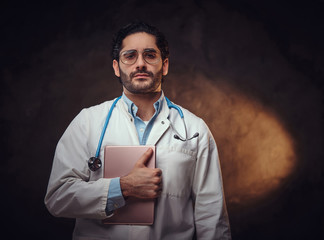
[(95, 163)]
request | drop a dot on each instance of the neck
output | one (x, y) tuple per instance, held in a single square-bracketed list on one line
[(144, 102)]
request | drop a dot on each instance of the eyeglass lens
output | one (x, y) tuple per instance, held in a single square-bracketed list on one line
[(150, 56)]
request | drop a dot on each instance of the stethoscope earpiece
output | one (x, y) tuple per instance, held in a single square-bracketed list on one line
[(177, 137), (94, 163), (184, 140), (194, 136)]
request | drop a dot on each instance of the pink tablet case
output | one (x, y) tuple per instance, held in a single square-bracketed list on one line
[(119, 161)]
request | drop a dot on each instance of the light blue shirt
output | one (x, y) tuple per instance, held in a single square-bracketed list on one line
[(115, 197)]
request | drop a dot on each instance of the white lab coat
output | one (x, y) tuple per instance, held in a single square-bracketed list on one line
[(192, 201)]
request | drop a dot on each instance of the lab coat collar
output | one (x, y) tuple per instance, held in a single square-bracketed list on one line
[(161, 123), (132, 108)]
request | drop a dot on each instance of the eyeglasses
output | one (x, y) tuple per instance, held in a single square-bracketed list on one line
[(150, 56)]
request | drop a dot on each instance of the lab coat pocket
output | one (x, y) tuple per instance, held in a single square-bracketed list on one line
[(178, 166)]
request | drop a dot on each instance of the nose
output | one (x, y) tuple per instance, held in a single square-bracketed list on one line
[(140, 63)]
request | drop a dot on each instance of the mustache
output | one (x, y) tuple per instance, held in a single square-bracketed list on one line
[(141, 71)]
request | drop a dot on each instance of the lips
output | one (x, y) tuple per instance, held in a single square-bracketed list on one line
[(141, 74)]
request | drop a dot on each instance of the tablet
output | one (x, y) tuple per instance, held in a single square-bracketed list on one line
[(118, 162)]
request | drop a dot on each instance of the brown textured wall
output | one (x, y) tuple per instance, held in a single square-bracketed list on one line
[(254, 76)]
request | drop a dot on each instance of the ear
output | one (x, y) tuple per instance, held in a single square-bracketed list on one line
[(165, 67), (116, 68)]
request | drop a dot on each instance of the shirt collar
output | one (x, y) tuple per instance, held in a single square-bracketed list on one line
[(132, 108)]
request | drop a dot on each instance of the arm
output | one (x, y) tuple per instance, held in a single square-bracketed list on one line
[(210, 210), (115, 198), (70, 191)]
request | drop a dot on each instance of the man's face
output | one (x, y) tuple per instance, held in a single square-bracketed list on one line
[(141, 77)]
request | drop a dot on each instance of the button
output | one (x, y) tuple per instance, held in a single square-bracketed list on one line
[(162, 122), (142, 129)]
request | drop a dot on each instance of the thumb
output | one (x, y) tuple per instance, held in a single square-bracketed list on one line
[(144, 159)]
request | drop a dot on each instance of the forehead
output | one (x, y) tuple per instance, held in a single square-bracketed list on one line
[(139, 41)]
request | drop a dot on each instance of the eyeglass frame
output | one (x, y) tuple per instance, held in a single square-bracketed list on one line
[(147, 50)]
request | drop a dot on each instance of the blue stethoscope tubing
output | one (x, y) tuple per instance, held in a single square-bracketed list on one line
[(170, 105), (95, 163), (105, 126)]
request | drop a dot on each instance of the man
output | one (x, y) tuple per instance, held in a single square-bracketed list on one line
[(187, 182)]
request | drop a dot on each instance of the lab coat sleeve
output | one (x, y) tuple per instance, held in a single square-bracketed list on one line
[(211, 217), (70, 192)]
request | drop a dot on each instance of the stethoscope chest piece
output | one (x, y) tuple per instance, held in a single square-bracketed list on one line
[(94, 163)]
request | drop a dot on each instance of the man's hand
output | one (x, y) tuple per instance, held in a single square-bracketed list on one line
[(142, 182)]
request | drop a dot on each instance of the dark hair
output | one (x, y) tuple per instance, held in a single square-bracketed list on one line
[(136, 27)]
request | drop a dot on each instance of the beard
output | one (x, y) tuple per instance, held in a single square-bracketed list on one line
[(141, 86)]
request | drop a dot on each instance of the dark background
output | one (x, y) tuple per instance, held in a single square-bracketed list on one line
[(55, 61)]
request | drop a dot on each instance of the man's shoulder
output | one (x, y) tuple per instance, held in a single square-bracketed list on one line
[(188, 113), (195, 122), (95, 111), (99, 107), (190, 117)]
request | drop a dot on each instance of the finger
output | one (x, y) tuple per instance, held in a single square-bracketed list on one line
[(144, 159), (157, 180), (158, 172), (158, 191)]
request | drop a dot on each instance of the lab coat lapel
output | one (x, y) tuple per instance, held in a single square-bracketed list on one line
[(161, 124), (128, 129)]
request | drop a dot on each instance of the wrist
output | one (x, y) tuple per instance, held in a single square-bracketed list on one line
[(124, 186)]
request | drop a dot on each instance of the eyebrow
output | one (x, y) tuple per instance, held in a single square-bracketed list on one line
[(128, 51), (134, 50), (149, 50)]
